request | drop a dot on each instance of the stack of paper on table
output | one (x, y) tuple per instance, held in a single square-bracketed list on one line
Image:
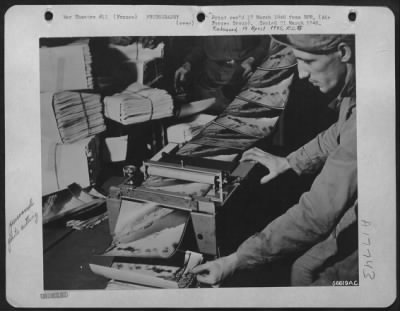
[(273, 97), (255, 127), (219, 136), (194, 150), (183, 132), (138, 103), (251, 116), (77, 115), (66, 67), (64, 164)]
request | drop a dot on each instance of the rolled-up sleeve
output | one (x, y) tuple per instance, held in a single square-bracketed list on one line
[(320, 209)]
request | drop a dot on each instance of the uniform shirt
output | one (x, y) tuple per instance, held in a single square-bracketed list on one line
[(332, 198)]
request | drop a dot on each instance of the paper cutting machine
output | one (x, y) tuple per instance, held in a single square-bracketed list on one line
[(222, 180)]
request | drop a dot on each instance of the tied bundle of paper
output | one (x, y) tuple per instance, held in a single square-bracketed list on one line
[(138, 103), (67, 67), (78, 115)]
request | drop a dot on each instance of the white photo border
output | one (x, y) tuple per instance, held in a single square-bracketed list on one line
[(375, 82)]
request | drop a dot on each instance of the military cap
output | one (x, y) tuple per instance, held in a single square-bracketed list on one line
[(314, 44)]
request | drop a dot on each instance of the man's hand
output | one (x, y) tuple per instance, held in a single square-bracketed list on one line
[(276, 165), (150, 42), (180, 75), (247, 66), (214, 272)]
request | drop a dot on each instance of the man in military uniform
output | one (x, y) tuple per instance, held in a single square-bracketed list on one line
[(224, 63), (313, 229)]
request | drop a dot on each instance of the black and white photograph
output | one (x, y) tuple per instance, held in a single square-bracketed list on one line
[(201, 163), (306, 202)]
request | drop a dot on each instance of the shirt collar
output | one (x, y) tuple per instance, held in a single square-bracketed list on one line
[(348, 90)]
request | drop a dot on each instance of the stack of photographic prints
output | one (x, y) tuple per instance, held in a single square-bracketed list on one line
[(78, 115), (252, 115), (138, 103)]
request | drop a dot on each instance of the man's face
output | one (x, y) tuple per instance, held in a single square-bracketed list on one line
[(326, 71)]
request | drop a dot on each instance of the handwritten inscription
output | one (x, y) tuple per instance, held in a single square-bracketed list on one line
[(367, 258), (259, 22), (20, 222)]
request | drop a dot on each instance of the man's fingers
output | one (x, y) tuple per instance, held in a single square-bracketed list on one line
[(267, 178), (255, 157), (178, 78), (200, 268), (249, 157), (247, 74), (203, 274), (251, 153), (254, 150), (205, 279)]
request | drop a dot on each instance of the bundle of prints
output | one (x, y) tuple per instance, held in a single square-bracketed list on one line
[(261, 102), (255, 127), (216, 135), (138, 103), (253, 114), (213, 152), (255, 111), (78, 114)]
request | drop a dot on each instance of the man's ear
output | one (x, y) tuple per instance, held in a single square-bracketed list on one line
[(345, 52)]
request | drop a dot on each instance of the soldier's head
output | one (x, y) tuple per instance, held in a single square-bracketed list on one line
[(322, 59)]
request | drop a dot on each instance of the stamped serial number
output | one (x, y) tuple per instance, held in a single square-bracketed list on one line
[(345, 283), (54, 295)]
